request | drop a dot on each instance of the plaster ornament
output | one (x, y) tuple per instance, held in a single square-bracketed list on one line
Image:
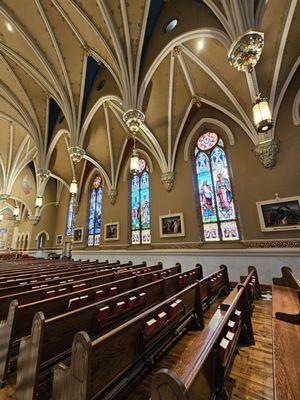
[(35, 219), (168, 179), (177, 51), (134, 120), (266, 153), (112, 194), (76, 154), (43, 173)]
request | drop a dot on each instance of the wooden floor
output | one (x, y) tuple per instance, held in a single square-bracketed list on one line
[(252, 368)]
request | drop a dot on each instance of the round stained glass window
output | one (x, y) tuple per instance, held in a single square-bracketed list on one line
[(142, 165), (97, 182), (171, 25), (207, 141)]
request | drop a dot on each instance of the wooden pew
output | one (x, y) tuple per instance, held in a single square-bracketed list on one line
[(251, 283), (78, 276), (201, 370), (213, 285), (286, 336), (51, 339), (286, 360), (15, 287), (83, 317), (62, 269), (97, 365), (31, 296), (286, 297)]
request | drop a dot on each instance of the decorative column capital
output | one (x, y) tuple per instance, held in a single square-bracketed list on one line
[(35, 219), (43, 173), (134, 120), (177, 51), (112, 194), (245, 52), (168, 179), (76, 153), (4, 196), (196, 100), (267, 153)]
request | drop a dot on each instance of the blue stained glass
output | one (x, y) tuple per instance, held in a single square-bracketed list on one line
[(92, 212), (98, 212), (95, 217), (205, 186), (135, 202), (140, 206), (215, 192), (222, 185), (70, 219), (145, 200)]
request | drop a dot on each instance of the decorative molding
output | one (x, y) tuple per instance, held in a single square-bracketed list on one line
[(112, 194), (177, 51), (168, 179), (282, 243), (267, 153)]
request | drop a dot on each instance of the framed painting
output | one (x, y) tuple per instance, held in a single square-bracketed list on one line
[(59, 240), (171, 225), (280, 214), (111, 231), (78, 235)]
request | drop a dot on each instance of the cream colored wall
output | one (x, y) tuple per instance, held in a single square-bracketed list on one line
[(251, 183)]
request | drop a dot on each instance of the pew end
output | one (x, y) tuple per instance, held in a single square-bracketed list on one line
[(6, 337), (166, 385), (71, 382), (29, 360)]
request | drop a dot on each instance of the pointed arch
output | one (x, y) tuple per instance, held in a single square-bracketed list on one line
[(95, 211)]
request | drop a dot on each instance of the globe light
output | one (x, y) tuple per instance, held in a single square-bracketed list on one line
[(1, 217), (262, 115)]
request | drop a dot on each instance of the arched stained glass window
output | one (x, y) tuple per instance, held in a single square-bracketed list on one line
[(214, 189), (140, 205), (95, 210), (70, 217)]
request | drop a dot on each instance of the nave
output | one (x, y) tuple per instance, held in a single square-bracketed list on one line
[(97, 330)]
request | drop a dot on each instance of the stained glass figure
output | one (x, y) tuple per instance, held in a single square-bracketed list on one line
[(95, 212), (70, 218), (214, 189), (140, 205)]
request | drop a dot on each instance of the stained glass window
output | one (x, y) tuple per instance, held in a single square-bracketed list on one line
[(140, 205), (95, 217), (70, 217), (214, 189)]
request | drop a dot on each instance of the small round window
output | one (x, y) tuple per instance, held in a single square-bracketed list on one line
[(171, 25), (101, 85)]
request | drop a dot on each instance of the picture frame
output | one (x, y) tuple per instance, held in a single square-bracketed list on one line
[(279, 214), (78, 235), (111, 231), (59, 240), (171, 225)]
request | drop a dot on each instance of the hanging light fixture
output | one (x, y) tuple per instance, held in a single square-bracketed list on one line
[(134, 160), (262, 115), (39, 201), (16, 211), (73, 187)]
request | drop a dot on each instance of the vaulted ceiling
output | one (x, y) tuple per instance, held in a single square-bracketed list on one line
[(69, 69)]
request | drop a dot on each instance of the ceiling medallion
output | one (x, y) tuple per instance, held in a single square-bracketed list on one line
[(43, 173), (134, 120), (76, 154), (246, 51)]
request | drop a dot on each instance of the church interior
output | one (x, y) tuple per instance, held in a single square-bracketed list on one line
[(108, 290)]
